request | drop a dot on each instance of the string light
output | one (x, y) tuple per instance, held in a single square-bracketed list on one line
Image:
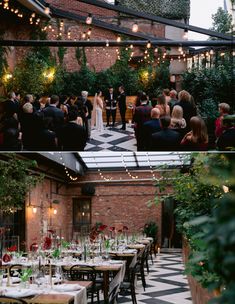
[(149, 45), (185, 35), (135, 28), (118, 38), (89, 19), (107, 179), (66, 170), (126, 169), (150, 166), (107, 43)]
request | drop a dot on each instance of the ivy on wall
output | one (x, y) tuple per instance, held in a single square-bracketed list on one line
[(172, 9)]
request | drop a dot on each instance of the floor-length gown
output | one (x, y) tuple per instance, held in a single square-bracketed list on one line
[(99, 118)]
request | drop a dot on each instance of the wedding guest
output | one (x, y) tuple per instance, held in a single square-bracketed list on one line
[(173, 99), (226, 141), (224, 110), (166, 94), (166, 139), (88, 104), (163, 106), (197, 138), (150, 127)]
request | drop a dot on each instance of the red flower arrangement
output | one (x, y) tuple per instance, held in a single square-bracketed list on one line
[(33, 247), (6, 258), (47, 243), (12, 248), (125, 228), (112, 228), (102, 228)]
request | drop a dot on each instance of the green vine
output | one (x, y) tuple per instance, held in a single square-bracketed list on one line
[(15, 181)]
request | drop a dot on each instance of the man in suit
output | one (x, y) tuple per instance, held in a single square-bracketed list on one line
[(12, 105), (166, 139), (150, 127), (55, 113), (73, 135), (122, 106), (141, 115), (111, 106)]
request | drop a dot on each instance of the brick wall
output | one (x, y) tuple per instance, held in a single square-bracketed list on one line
[(114, 203)]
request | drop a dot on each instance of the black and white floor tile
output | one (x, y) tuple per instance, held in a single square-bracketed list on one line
[(166, 283), (112, 139)]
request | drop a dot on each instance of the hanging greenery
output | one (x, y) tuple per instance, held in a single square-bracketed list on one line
[(3, 58), (15, 182), (172, 9)]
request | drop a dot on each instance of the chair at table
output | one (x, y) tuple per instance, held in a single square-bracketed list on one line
[(11, 300), (113, 294), (129, 284), (87, 273), (141, 260), (15, 268)]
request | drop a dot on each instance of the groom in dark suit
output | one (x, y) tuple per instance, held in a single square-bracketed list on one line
[(111, 106), (122, 106)]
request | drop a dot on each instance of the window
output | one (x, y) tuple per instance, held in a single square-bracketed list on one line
[(81, 215)]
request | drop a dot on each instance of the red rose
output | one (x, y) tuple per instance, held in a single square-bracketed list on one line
[(102, 227), (6, 258), (111, 228), (47, 243)]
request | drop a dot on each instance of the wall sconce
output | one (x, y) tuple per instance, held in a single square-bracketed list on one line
[(54, 211), (34, 210)]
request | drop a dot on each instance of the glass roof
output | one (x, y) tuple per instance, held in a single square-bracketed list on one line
[(136, 160)]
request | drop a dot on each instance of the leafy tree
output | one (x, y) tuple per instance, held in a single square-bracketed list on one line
[(222, 21), (3, 58)]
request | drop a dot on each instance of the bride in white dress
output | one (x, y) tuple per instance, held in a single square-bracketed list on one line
[(97, 118)]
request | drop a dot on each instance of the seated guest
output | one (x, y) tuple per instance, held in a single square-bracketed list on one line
[(27, 122), (166, 94), (56, 114), (173, 100), (197, 138), (141, 115), (163, 106), (178, 123), (166, 139), (150, 127), (72, 136), (224, 110), (11, 135), (226, 141), (46, 138), (189, 109)]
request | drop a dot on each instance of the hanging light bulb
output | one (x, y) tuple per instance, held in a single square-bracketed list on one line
[(118, 38), (135, 28), (47, 10), (211, 52), (149, 45), (185, 35), (84, 35), (180, 49), (89, 19), (89, 32), (107, 43)]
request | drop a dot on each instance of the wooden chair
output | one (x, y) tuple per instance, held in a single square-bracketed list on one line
[(11, 300), (129, 284), (87, 273)]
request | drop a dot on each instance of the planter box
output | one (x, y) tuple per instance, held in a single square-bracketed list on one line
[(200, 295)]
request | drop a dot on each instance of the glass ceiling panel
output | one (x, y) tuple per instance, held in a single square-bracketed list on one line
[(137, 160)]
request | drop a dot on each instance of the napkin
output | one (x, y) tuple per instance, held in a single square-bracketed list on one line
[(16, 293), (12, 279), (67, 287)]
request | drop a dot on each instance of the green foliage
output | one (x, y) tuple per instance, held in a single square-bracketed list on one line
[(3, 58), (61, 53), (222, 21), (150, 229), (15, 182), (216, 83), (209, 108)]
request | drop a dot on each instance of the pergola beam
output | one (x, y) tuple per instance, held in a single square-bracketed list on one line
[(101, 24), (154, 18), (114, 43)]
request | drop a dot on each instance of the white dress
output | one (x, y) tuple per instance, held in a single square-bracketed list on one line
[(99, 119)]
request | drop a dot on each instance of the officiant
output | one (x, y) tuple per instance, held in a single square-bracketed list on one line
[(111, 106)]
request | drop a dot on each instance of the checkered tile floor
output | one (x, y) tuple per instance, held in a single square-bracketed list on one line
[(166, 283), (112, 139)]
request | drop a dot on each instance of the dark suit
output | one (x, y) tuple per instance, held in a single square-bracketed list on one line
[(226, 141), (57, 115), (12, 107), (122, 108), (166, 140), (150, 127), (73, 137), (141, 115), (111, 106)]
